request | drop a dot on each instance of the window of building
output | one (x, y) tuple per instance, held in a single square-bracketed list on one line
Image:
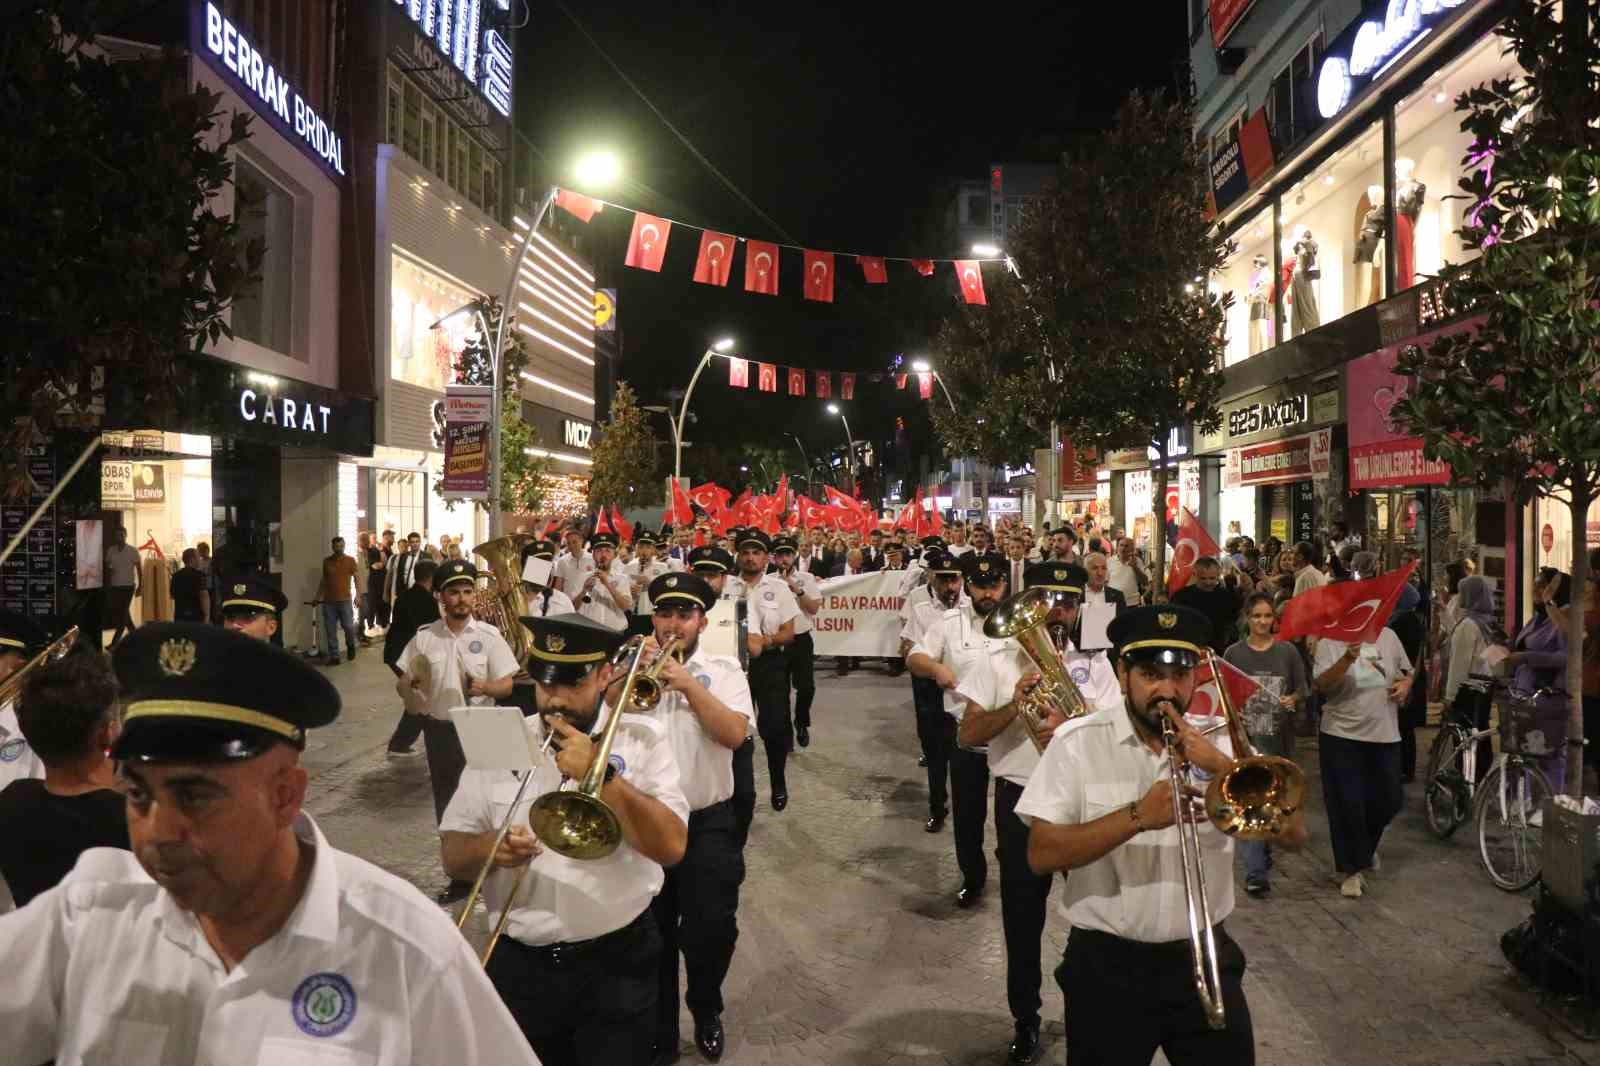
[(474, 190), (1248, 276), (463, 160), (447, 148), (395, 106), (419, 354), (411, 136), (262, 313), (491, 184), (1291, 101), (1333, 229), (429, 129)]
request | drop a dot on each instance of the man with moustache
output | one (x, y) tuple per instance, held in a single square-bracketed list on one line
[(1100, 805), (644, 568), (604, 595), (723, 635), (807, 592), (936, 731), (133, 956)]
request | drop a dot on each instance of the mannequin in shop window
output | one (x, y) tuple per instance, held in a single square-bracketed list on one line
[(1260, 300), (1408, 196), (1286, 294), (1303, 286), (1370, 226)]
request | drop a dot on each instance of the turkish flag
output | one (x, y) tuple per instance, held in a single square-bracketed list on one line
[(925, 386), (602, 524), (923, 267), (797, 382), (623, 527), (907, 519), (1193, 542), (938, 520), (647, 245), (739, 373), (761, 267), (873, 268), (847, 386), (819, 276), (782, 496), (1354, 612), (766, 377), (1205, 703), (581, 207), (682, 512), (839, 499), (971, 281), (824, 385), (710, 496), (900, 381), (716, 258), (810, 513)]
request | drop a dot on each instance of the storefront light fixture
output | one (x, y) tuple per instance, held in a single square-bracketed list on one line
[(987, 251)]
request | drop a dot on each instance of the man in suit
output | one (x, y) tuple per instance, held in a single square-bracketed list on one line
[(1097, 590), (402, 573), (415, 608), (872, 558), (1016, 560)]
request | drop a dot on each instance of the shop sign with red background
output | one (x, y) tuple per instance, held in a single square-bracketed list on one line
[(1276, 462), (1225, 15), (1382, 455)]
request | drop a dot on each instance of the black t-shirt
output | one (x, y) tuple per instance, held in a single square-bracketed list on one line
[(42, 834), (187, 585)]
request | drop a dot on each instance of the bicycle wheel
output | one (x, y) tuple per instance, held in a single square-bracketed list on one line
[(1446, 794), (1510, 817)]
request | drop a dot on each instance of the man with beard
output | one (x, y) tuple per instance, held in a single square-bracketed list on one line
[(604, 595), (577, 964), (133, 956), (644, 568), (771, 613), (802, 662), (936, 731), (706, 711), (723, 635), (992, 719), (1103, 783), (947, 652)]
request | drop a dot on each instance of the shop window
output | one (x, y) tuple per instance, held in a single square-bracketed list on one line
[(261, 314), (411, 135), (1248, 276), (429, 128), (1291, 102), (447, 148), (1429, 149), (1333, 237), (419, 354), (463, 161)]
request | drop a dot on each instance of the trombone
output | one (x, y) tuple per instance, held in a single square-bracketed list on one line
[(1252, 799)]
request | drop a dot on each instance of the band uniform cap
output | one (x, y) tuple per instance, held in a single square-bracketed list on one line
[(938, 561), (1160, 632), (603, 540), (680, 589), (933, 541), (202, 693), (986, 569), (785, 543), (644, 536), (710, 558), (539, 549), (249, 593), (453, 572), (567, 646), (1057, 577), (19, 633), (753, 538)]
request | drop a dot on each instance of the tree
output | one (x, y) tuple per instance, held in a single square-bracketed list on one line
[(625, 470), (116, 258), (1514, 402), (1116, 348)]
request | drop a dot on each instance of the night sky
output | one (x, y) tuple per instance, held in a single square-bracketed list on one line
[(846, 125)]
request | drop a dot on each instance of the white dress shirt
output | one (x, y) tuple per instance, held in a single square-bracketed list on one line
[(958, 550), (1095, 766), (564, 899), (721, 634), (925, 613), (915, 598), (640, 574), (1011, 751), (958, 642), (601, 608), (573, 570), (812, 589), (1121, 576), (705, 768), (105, 967), (478, 649), (771, 604), (17, 763), (559, 603)]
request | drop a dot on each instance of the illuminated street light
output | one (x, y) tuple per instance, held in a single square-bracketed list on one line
[(986, 251), (597, 170)]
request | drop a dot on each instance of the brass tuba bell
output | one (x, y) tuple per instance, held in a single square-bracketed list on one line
[(506, 604), (1022, 618)]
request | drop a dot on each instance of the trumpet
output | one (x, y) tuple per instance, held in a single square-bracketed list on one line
[(1023, 617), (647, 687)]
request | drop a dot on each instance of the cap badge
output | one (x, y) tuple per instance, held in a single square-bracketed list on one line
[(555, 642), (985, 567), (672, 582), (1166, 619), (176, 657), (239, 590), (1061, 575)]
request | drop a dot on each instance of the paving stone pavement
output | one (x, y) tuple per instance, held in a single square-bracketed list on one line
[(852, 952)]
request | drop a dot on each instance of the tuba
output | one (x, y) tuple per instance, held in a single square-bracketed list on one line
[(506, 604), (1023, 617), (11, 687)]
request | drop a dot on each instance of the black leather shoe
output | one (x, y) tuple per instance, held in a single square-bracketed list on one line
[(802, 737), (708, 1036), (1025, 1048), (922, 760), (934, 823), (968, 897), (664, 1056), (454, 892), (780, 800)]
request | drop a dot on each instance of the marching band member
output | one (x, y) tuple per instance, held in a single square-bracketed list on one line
[(807, 592), (252, 606), (1100, 805), (136, 957), (645, 568), (992, 719), (544, 600), (578, 963), (772, 611), (604, 595), (707, 713), (20, 640), (725, 624), (935, 730)]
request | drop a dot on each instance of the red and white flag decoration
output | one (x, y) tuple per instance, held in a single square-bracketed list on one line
[(1193, 542), (647, 245), (1353, 612), (873, 269), (797, 382), (1204, 703), (680, 513), (824, 385), (761, 267), (767, 377), (819, 276), (923, 267), (716, 258), (971, 282), (739, 373), (581, 207), (925, 386), (900, 381), (847, 386)]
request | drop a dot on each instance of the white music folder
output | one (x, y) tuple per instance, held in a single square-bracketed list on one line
[(495, 738), (1094, 618)]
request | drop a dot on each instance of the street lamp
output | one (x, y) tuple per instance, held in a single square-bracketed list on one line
[(986, 251), (721, 347), (850, 442), (922, 366)]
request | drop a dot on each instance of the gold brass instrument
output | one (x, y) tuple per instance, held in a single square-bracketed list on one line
[(577, 823), (11, 687), (506, 604), (647, 688), (1022, 617)]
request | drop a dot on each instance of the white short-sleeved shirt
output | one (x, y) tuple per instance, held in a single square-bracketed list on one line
[(17, 763), (958, 550), (560, 603), (958, 642), (721, 634), (105, 967), (925, 613), (914, 599), (573, 570), (564, 899), (479, 649), (705, 768), (640, 574), (812, 588), (771, 604), (600, 608), (1097, 765), (1359, 707), (122, 564), (1011, 751)]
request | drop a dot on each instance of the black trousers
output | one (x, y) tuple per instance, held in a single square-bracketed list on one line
[(936, 732), (744, 788), (802, 678), (1024, 896), (592, 1003), (1126, 998), (446, 760), (698, 912), (769, 688), (969, 809), (1361, 791)]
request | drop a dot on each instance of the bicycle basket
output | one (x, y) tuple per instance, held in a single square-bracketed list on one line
[(1531, 727)]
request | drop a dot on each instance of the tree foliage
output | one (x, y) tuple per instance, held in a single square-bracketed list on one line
[(626, 471), (116, 257), (1514, 402)]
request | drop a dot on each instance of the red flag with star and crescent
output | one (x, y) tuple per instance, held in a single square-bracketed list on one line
[(1193, 542), (767, 377), (811, 513), (680, 513), (797, 382), (847, 386), (647, 245), (873, 269), (819, 276), (738, 373), (1204, 703), (923, 267), (716, 258), (581, 207), (971, 279), (761, 267), (1353, 612), (824, 385)]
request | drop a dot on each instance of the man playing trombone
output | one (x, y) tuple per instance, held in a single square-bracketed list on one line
[(1146, 925)]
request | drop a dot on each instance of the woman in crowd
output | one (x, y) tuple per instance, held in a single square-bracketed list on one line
[(1473, 632), (1538, 660)]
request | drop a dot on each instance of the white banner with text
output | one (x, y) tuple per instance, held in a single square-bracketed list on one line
[(860, 615)]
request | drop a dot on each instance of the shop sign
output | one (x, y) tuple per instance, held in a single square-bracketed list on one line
[(233, 56), (605, 310), (132, 483), (1225, 16), (1325, 407), (1240, 161), (271, 409), (576, 434), (1275, 462), (1076, 468), (1373, 47), (1268, 414), (1382, 454), (468, 424), (480, 54), (1321, 454), (1005, 505), (1231, 470)]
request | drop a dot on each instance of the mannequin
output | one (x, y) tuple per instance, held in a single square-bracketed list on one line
[(1369, 248), (1408, 196), (1286, 295), (1259, 298), (1307, 315)]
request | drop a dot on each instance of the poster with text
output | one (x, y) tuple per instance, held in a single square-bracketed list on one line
[(468, 423)]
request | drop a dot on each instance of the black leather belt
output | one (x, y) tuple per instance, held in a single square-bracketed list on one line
[(564, 951)]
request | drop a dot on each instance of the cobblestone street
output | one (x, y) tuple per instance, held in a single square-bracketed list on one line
[(852, 951)]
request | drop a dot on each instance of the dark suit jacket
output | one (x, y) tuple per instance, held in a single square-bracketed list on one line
[(413, 609), (1115, 596), (872, 561)]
